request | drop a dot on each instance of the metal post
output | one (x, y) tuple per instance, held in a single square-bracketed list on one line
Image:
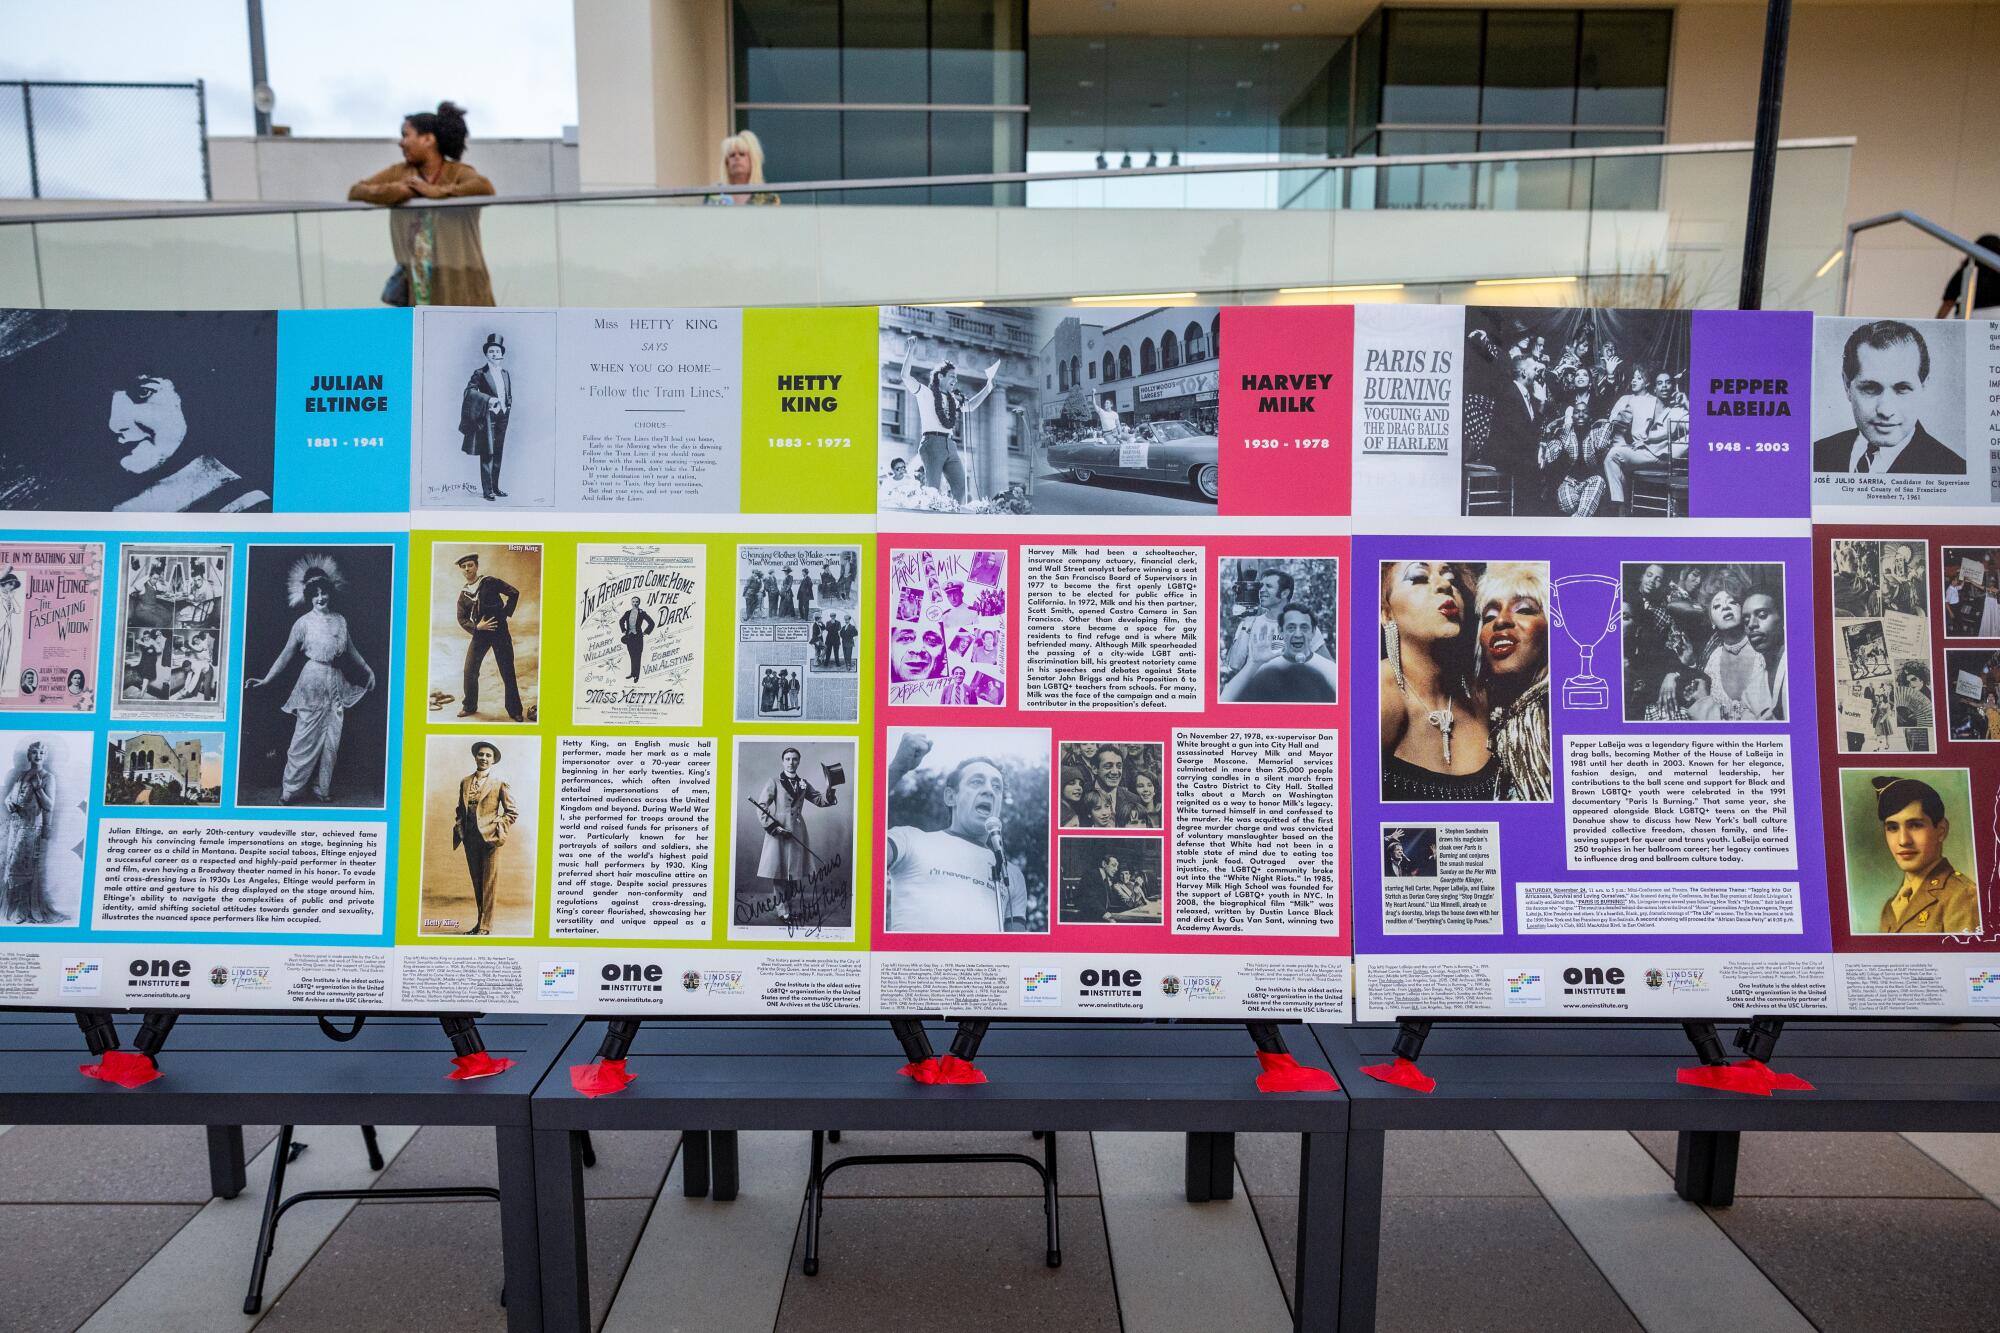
[(258, 73), (28, 128), (201, 128), (1764, 153)]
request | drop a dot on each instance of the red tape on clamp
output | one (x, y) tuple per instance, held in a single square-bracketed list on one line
[(128, 1069), (921, 1071), (1752, 1077), (600, 1078), (480, 1064), (1403, 1074), (1283, 1073), (951, 1069)]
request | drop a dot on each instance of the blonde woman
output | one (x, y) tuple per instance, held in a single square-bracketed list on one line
[(1512, 673), (743, 164)]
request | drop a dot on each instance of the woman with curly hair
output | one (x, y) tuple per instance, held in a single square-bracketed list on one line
[(1512, 671), (323, 694), (438, 254)]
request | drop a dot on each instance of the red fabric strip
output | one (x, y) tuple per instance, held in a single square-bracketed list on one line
[(1403, 1073), (128, 1069), (1283, 1073), (951, 1069), (480, 1064), (600, 1078), (921, 1071), (1752, 1077)]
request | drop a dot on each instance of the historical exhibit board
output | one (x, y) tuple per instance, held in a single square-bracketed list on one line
[(998, 661)]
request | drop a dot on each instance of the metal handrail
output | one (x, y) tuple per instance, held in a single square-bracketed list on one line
[(994, 178), (1972, 250)]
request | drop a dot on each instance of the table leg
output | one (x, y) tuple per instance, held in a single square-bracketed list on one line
[(558, 1186), (225, 1161), (514, 1151), (1211, 1166), (1353, 1210), (722, 1165), (1705, 1166)]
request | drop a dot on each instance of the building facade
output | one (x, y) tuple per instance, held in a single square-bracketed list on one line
[(149, 757)]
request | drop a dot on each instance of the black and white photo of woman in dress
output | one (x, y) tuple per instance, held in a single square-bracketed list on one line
[(324, 690), (314, 721), (41, 827), (140, 411)]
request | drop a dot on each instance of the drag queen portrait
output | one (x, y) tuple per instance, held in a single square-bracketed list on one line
[(323, 693), (1512, 673), (1435, 743)]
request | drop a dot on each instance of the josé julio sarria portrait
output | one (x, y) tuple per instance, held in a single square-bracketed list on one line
[(316, 649), (138, 411), (173, 630)]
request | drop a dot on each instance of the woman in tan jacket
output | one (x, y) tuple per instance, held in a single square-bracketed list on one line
[(437, 248)]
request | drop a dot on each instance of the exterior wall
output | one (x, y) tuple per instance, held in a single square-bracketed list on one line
[(652, 92), (1927, 144)]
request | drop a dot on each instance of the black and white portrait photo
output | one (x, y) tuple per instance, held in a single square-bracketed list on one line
[(1019, 410), (1889, 398), (1703, 642), (792, 840), (966, 847), (138, 411), (173, 630), (44, 791), (1409, 852), (1111, 784), (315, 715), (1110, 881), (1278, 619), (481, 797), (487, 412), (798, 632), (1575, 412)]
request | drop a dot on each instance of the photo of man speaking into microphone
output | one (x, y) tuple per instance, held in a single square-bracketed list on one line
[(966, 850)]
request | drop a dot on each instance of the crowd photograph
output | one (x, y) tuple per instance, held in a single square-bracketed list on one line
[(1971, 592), (1576, 413), (1974, 683), (1464, 661), (1703, 642)]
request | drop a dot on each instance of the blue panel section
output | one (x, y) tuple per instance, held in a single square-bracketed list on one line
[(343, 418), (254, 728)]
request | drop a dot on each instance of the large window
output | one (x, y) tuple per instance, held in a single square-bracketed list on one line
[(1466, 80), (852, 89)]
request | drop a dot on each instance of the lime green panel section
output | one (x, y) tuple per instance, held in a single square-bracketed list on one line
[(550, 700), (809, 439)]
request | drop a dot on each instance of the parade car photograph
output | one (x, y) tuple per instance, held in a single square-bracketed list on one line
[(1150, 451)]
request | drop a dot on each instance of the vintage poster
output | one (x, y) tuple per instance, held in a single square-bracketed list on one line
[(1587, 755), (1162, 782), (1555, 414), (172, 644), (650, 410), (947, 616), (798, 633), (1910, 785), (484, 632), (640, 633), (51, 600), (1903, 414)]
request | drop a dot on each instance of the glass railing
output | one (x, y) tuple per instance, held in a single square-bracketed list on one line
[(1647, 225)]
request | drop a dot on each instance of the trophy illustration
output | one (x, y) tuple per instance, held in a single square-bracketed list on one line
[(1585, 607)]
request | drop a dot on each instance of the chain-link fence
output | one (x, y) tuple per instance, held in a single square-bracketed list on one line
[(103, 140)]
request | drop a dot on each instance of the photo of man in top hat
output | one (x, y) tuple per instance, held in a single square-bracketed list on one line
[(633, 627), (483, 416), (1885, 371)]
